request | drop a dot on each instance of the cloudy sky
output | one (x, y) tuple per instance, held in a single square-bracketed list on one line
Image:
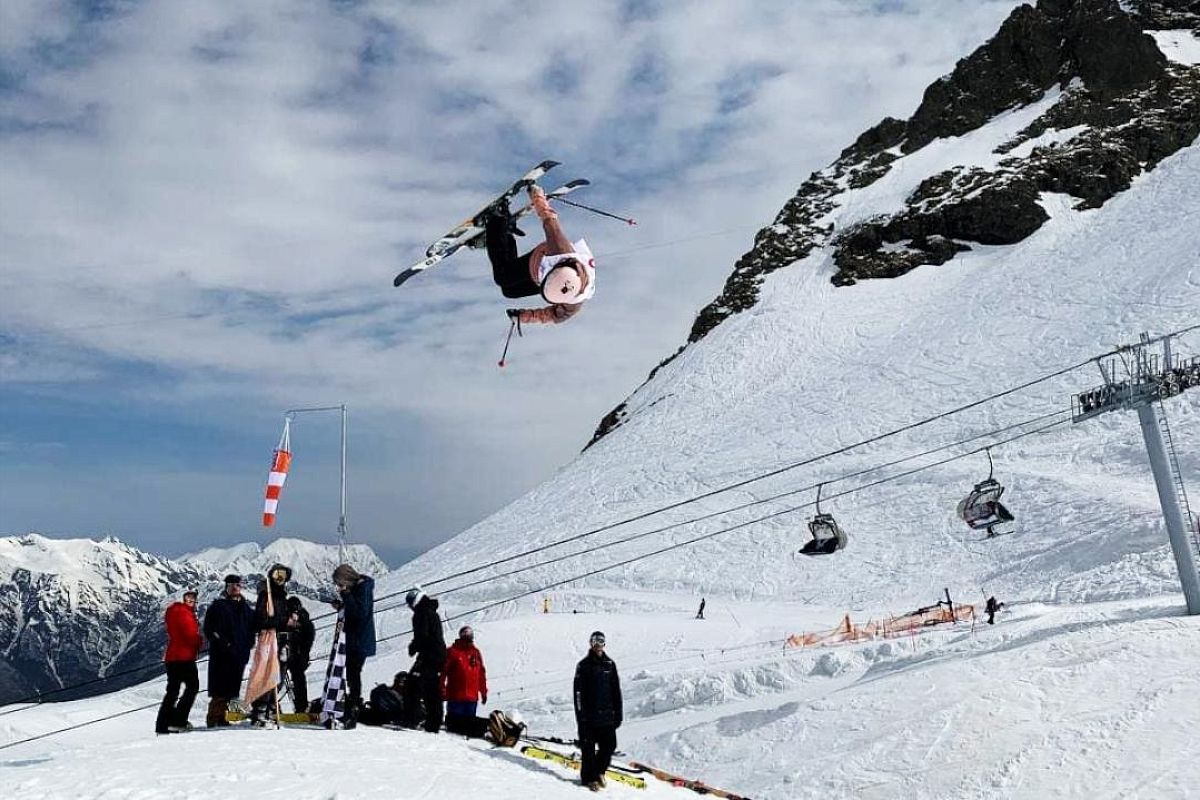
[(202, 206)]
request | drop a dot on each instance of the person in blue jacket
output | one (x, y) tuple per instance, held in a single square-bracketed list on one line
[(356, 595)]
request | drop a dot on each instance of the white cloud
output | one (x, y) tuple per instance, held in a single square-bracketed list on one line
[(196, 175)]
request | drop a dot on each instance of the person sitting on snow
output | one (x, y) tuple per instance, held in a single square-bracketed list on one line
[(562, 272)]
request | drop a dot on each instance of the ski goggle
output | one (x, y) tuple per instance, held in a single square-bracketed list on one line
[(597, 640)]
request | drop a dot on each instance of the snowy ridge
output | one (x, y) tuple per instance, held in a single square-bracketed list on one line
[(312, 564)]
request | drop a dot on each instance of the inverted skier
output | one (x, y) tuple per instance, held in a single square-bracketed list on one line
[(562, 272)]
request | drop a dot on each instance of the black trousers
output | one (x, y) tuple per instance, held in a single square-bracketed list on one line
[(431, 696), (509, 270), (296, 668), (354, 666), (596, 744), (175, 707)]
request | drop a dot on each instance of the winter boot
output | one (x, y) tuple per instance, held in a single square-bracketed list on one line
[(216, 713)]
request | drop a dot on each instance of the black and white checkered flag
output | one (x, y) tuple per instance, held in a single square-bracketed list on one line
[(333, 703)]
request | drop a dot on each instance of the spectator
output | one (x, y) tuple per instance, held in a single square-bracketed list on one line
[(429, 646), (228, 626), (297, 655), (464, 682), (598, 711), (183, 646), (356, 595)]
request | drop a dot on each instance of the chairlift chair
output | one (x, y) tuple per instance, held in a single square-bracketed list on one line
[(982, 509), (827, 536)]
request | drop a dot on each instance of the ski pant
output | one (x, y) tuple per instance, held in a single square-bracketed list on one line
[(175, 708), (296, 668), (460, 717), (596, 745), (431, 694), (509, 270)]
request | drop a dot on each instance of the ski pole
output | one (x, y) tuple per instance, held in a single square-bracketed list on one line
[(513, 326), (626, 220)]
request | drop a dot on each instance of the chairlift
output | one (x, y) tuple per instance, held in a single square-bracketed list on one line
[(982, 509), (827, 536)]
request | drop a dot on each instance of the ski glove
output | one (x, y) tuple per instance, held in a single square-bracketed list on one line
[(513, 313)]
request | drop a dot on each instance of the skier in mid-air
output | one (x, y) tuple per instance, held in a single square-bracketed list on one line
[(561, 271)]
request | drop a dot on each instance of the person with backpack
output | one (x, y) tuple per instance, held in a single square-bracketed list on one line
[(429, 646), (598, 711), (296, 651), (183, 646), (228, 626), (464, 682)]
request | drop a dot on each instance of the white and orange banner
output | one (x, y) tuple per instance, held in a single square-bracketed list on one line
[(281, 461)]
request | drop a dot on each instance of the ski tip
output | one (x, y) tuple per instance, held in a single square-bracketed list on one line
[(549, 164), (402, 277)]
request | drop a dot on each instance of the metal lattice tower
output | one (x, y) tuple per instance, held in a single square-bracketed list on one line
[(1146, 380)]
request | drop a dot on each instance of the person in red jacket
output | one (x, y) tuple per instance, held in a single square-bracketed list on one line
[(183, 646), (464, 681)]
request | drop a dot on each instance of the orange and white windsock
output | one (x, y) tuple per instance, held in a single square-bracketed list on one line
[(280, 461)]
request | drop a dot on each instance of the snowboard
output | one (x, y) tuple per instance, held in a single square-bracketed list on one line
[(574, 763), (467, 233)]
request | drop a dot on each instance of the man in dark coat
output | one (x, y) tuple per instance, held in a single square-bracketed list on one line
[(356, 594), (598, 711), (228, 626), (298, 642), (429, 646), (267, 617)]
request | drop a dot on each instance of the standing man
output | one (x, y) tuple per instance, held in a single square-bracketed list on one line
[(598, 712), (228, 626), (429, 646), (183, 645), (299, 638), (464, 683), (356, 594), (700, 613)]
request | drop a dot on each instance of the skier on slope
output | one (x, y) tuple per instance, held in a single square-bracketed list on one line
[(183, 645), (429, 646), (562, 272), (598, 711)]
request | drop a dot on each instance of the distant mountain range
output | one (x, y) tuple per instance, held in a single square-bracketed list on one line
[(78, 611)]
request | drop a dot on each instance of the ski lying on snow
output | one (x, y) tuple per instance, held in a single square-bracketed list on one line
[(698, 787), (575, 764), (467, 233), (284, 719)]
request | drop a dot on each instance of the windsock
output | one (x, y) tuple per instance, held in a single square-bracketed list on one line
[(280, 461)]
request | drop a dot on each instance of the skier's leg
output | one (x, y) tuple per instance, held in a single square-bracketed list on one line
[(431, 694), (510, 271), (299, 685), (166, 711), (191, 685), (354, 665)]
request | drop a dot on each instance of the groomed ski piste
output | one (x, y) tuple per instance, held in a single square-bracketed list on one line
[(1086, 687)]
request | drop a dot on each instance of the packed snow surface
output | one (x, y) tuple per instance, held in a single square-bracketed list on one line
[(1182, 46)]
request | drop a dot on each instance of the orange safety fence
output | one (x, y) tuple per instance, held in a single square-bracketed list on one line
[(907, 624)]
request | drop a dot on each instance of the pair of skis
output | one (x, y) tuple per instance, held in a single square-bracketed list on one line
[(469, 233)]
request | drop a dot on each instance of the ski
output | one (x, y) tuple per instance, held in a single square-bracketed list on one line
[(574, 763), (698, 787), (284, 719), (467, 233)]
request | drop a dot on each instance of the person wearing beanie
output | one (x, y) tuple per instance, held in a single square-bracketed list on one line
[(598, 711), (429, 646), (464, 682), (298, 641), (183, 646), (561, 271), (356, 597), (229, 628)]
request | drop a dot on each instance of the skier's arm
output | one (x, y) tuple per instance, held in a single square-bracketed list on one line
[(482, 680), (557, 242), (577, 695), (616, 693), (550, 315)]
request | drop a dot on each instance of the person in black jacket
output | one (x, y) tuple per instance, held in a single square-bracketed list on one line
[(298, 641), (356, 594), (429, 646), (273, 618), (598, 711), (228, 626)]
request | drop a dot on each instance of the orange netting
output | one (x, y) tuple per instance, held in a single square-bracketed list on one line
[(908, 624)]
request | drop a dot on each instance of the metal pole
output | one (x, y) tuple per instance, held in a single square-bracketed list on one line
[(342, 518), (1176, 529)]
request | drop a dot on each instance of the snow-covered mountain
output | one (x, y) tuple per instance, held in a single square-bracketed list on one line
[(76, 609), (73, 610), (1039, 207), (312, 564)]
